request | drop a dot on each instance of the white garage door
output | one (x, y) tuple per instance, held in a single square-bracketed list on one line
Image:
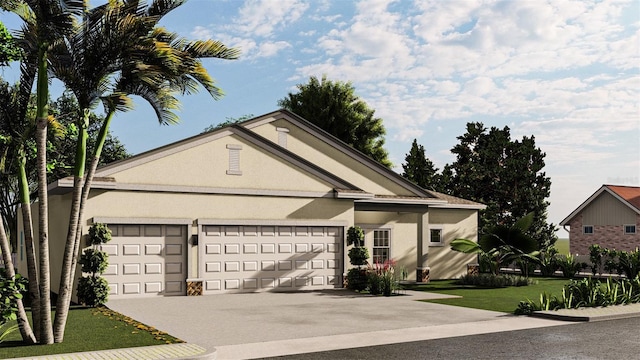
[(146, 260), (270, 258)]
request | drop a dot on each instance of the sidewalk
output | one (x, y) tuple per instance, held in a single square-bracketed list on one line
[(157, 352)]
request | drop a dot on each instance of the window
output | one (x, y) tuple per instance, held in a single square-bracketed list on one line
[(436, 236), (234, 159), (282, 136), (587, 229), (629, 229), (380, 246)]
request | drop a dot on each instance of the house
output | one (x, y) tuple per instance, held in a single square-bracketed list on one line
[(263, 205), (610, 218)]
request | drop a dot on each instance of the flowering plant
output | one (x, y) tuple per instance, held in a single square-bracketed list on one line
[(382, 277)]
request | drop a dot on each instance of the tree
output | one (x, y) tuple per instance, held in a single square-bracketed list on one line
[(9, 50), (505, 175), (502, 244), (130, 53), (419, 169), (120, 51), (334, 107), (228, 121)]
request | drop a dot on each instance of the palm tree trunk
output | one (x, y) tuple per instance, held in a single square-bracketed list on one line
[(23, 321), (42, 113), (102, 136), (27, 224), (68, 265)]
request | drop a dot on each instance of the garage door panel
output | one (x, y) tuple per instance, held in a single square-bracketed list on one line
[(147, 260), (270, 258)]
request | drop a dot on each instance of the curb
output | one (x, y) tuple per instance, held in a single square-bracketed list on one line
[(585, 314)]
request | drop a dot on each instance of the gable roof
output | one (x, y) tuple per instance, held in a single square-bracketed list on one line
[(316, 131), (343, 189), (336, 143), (627, 195), (102, 179)]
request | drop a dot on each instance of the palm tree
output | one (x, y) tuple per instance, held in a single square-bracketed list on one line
[(46, 21), (502, 244), (12, 149), (117, 52)]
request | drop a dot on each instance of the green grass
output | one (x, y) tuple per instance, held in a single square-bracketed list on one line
[(495, 299), (88, 330), (563, 246)]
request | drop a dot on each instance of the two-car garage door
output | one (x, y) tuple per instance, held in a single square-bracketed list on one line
[(151, 260), (241, 258)]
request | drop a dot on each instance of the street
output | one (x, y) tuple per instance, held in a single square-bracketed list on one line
[(612, 339)]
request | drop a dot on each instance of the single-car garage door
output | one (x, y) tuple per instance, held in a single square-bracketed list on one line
[(146, 260), (270, 258)]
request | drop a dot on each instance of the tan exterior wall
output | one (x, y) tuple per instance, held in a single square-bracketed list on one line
[(456, 224), (143, 205), (206, 165), (608, 236), (404, 234), (443, 262), (607, 210), (59, 209), (311, 148)]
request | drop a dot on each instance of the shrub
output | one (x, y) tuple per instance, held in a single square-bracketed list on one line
[(595, 256), (374, 283), (569, 266), (11, 290), (94, 261), (586, 293), (357, 279), (355, 236), (358, 256), (494, 281), (93, 291), (549, 262), (382, 278), (629, 263), (99, 234)]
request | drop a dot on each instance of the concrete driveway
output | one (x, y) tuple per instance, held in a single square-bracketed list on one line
[(270, 324)]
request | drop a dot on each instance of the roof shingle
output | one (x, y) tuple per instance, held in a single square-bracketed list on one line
[(630, 193)]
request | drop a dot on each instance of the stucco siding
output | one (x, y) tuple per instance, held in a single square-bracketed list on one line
[(607, 210), (456, 224), (313, 149), (403, 236), (206, 165)]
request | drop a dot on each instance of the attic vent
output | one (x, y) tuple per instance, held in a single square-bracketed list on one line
[(234, 159), (282, 136)]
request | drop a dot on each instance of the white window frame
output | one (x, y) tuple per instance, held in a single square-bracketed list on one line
[(584, 227), (624, 228), (436, 243), (374, 247), (234, 159)]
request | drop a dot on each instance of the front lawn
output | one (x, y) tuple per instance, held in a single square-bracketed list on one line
[(88, 330), (495, 299)]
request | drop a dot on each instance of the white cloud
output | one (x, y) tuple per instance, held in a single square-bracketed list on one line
[(201, 32), (268, 49), (263, 17)]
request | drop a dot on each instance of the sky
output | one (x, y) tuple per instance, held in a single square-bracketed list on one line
[(566, 72)]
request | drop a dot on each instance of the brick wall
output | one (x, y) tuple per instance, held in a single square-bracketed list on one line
[(608, 236)]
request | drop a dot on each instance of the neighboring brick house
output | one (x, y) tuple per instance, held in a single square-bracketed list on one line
[(610, 218)]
